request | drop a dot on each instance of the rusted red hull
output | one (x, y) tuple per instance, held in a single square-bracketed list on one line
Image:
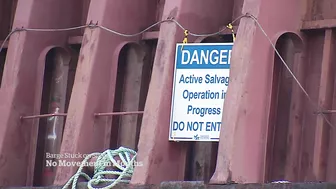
[(270, 131)]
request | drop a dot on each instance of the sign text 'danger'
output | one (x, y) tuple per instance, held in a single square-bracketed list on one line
[(206, 57)]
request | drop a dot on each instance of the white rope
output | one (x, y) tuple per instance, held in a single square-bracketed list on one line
[(105, 160)]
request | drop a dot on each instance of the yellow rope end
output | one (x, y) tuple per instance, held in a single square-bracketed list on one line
[(186, 32), (185, 40), (230, 26), (233, 34)]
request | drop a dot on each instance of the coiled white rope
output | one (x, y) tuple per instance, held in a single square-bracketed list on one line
[(104, 160)]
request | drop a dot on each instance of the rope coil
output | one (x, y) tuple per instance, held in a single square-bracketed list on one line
[(103, 161)]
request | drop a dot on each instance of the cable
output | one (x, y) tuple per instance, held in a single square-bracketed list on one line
[(6, 39), (57, 30), (90, 25), (42, 30), (174, 21), (115, 32), (135, 34), (209, 34), (291, 72), (282, 60)]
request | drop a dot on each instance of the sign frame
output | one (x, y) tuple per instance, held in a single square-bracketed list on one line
[(179, 49)]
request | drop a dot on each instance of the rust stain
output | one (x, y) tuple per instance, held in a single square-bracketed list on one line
[(85, 39), (158, 159), (173, 13), (159, 64), (3, 161), (81, 58)]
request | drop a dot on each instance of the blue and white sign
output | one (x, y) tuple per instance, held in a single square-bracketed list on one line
[(201, 79)]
